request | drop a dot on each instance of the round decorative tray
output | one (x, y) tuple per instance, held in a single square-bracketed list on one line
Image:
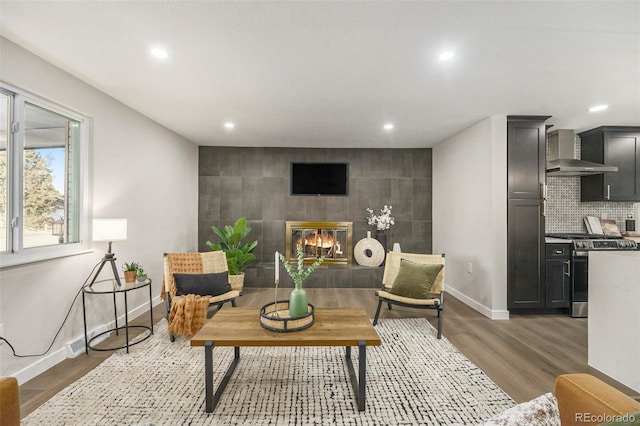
[(275, 317)]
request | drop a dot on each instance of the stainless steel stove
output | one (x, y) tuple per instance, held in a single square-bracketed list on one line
[(581, 245), (590, 242)]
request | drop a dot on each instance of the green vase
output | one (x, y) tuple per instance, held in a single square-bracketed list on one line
[(298, 301)]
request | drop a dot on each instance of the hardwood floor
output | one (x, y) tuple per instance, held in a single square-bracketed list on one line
[(522, 355)]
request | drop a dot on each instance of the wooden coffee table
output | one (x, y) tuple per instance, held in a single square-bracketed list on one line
[(241, 327)]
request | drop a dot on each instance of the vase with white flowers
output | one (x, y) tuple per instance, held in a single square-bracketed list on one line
[(381, 222)]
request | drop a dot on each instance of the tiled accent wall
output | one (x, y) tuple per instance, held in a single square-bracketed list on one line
[(255, 182), (565, 212)]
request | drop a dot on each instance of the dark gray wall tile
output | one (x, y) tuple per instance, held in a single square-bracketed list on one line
[(402, 163), (337, 209), (402, 199), (230, 198), (402, 233), (422, 163), (255, 182), (364, 278), (251, 197), (208, 161), (422, 242), (295, 207), (275, 163), (421, 199)]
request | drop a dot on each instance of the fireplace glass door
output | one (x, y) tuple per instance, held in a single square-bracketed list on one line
[(329, 239)]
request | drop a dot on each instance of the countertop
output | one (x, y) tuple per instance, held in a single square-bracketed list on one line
[(557, 240), (614, 318)]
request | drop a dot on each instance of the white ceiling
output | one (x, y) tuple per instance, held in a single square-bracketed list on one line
[(330, 74)]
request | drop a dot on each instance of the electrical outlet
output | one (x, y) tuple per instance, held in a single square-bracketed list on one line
[(470, 268)]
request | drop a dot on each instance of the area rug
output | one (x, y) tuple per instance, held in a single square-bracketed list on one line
[(412, 379)]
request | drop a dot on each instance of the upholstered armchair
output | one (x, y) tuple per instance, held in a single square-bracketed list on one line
[(9, 402)]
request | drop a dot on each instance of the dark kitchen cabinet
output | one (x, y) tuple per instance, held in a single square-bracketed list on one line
[(558, 275), (525, 255), (526, 158), (613, 146)]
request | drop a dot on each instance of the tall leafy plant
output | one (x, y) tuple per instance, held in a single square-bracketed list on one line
[(239, 254)]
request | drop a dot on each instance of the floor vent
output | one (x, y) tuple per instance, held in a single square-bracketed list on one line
[(76, 347)]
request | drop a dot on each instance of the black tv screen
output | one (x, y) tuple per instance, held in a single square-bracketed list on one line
[(319, 178)]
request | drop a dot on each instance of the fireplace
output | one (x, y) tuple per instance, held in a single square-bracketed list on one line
[(329, 239)]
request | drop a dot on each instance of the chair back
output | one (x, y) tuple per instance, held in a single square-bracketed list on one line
[(191, 263), (392, 266)]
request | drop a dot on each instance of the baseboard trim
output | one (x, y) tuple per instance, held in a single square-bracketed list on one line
[(43, 364), (493, 314)]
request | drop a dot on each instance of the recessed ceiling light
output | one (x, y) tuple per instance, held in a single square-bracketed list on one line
[(159, 53), (388, 126), (229, 125), (598, 108), (445, 56)]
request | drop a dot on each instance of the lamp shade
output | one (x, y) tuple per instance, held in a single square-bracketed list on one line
[(113, 229)]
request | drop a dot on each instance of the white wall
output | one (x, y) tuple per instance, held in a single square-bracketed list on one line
[(470, 214), (138, 170)]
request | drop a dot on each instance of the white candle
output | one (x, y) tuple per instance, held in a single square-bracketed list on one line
[(277, 269)]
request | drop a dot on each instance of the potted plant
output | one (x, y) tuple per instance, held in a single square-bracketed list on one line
[(130, 271), (298, 299), (142, 275), (239, 254)]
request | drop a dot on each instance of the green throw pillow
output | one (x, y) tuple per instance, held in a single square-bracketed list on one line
[(414, 280)]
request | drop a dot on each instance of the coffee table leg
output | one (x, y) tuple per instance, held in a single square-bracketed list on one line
[(358, 384), (208, 375), (362, 366), (211, 399)]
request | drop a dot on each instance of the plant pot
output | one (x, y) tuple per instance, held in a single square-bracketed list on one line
[(237, 281), (130, 276), (141, 278)]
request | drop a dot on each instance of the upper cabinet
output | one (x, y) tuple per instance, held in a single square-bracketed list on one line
[(526, 156), (613, 146)]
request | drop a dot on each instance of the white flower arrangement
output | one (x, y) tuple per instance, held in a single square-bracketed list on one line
[(382, 221)]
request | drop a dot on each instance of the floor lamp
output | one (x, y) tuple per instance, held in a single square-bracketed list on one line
[(109, 230)]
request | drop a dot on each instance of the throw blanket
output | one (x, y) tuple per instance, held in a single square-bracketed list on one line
[(188, 314)]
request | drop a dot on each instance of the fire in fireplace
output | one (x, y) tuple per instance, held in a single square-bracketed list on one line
[(329, 239)]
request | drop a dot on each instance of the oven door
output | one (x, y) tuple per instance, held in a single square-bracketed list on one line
[(579, 284)]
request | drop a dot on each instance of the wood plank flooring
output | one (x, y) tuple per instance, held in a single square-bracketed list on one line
[(522, 355)]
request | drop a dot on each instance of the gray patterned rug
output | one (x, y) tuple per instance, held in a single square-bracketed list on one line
[(412, 379)]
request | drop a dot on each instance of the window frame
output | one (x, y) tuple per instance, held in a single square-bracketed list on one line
[(16, 254)]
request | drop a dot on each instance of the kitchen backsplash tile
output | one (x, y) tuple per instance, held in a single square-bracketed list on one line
[(565, 212)]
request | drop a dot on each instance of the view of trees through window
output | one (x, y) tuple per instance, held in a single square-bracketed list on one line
[(47, 188), (43, 202)]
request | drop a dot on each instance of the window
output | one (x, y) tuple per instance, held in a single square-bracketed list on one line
[(41, 170)]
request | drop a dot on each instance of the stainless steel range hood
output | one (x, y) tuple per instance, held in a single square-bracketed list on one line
[(561, 157)]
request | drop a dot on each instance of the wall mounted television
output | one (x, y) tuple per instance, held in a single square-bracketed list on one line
[(319, 178)]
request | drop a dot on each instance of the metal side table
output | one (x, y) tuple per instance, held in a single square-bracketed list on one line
[(110, 286)]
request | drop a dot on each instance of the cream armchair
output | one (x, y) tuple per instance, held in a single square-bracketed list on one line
[(433, 300)]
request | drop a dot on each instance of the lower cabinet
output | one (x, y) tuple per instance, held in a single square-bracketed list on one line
[(525, 258), (558, 274)]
